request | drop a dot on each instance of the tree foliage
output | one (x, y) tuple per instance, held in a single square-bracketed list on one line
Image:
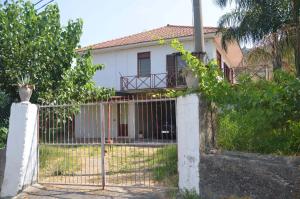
[(263, 116), (267, 20), (254, 116), (35, 43)]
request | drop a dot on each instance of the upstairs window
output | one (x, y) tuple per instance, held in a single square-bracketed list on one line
[(144, 64)]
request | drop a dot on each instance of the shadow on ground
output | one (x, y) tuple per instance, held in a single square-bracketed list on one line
[(86, 192)]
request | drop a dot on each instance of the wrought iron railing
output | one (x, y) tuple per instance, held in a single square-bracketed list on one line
[(153, 81), (255, 73), (177, 80)]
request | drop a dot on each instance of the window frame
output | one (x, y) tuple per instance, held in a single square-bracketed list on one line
[(140, 56)]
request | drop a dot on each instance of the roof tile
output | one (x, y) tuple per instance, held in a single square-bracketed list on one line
[(166, 32)]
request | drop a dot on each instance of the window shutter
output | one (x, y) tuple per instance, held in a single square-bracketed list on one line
[(170, 63), (219, 60), (171, 72)]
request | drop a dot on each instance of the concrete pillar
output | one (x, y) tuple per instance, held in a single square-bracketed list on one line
[(187, 120), (21, 152), (131, 120)]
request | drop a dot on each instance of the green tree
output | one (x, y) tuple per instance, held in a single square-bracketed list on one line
[(254, 21), (35, 43), (254, 116)]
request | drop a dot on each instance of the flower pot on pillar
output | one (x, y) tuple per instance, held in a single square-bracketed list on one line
[(25, 88), (191, 80), (25, 92)]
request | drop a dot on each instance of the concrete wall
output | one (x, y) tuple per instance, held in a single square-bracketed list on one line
[(249, 175), (2, 164), (124, 62)]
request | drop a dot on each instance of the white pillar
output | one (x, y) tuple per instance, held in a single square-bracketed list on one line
[(131, 120), (187, 120), (21, 152)]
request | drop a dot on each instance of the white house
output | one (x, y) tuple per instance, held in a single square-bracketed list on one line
[(139, 64)]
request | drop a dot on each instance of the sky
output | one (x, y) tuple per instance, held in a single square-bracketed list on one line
[(109, 19)]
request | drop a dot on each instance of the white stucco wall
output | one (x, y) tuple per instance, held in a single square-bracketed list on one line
[(21, 152), (88, 122), (124, 62), (188, 132)]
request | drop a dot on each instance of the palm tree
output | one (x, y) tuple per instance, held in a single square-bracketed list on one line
[(254, 21)]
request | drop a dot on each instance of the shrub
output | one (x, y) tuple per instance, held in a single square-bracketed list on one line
[(3, 136), (4, 116), (254, 116), (262, 117)]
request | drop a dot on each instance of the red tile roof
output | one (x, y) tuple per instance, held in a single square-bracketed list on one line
[(166, 32)]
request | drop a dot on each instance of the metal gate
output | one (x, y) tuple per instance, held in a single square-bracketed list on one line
[(123, 141)]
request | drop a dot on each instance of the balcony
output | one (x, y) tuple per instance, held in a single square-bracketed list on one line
[(153, 81)]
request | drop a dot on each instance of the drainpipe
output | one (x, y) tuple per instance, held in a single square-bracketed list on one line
[(198, 28)]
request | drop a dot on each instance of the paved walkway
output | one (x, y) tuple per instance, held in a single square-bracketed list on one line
[(81, 192)]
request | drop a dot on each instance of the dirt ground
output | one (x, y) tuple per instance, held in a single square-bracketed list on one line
[(80, 192), (124, 165)]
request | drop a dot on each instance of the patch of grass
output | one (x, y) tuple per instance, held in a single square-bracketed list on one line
[(166, 169), (126, 159), (135, 163), (158, 163), (186, 194), (59, 160), (49, 154)]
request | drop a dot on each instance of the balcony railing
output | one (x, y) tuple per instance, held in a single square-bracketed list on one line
[(153, 81), (176, 80), (255, 73)]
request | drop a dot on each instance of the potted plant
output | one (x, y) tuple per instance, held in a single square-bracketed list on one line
[(192, 81), (141, 135), (25, 88)]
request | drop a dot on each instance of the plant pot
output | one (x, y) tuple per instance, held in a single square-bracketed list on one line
[(25, 93), (191, 80), (141, 136)]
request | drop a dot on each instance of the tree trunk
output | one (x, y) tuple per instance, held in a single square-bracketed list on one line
[(277, 60), (297, 44), (297, 52)]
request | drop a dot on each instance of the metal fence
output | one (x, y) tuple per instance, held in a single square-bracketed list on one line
[(123, 141)]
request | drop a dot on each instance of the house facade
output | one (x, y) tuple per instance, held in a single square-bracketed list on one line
[(139, 64)]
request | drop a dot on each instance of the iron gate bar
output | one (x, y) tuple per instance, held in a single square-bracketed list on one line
[(58, 134), (128, 157), (103, 147)]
